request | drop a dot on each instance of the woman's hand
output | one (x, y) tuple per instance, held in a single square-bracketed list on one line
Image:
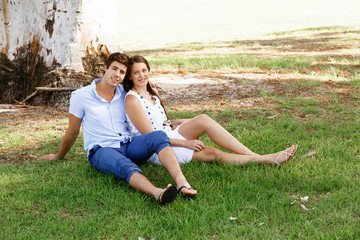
[(196, 145)]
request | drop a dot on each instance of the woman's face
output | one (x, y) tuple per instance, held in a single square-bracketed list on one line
[(139, 74)]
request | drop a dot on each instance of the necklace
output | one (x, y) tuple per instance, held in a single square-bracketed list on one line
[(152, 97)]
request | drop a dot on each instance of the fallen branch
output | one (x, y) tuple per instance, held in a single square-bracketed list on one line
[(22, 104), (56, 89), (40, 89)]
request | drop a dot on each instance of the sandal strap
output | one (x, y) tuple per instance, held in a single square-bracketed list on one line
[(179, 190), (287, 155)]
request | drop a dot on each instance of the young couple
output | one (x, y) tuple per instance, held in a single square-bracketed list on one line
[(112, 148)]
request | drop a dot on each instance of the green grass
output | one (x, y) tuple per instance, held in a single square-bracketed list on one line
[(208, 63), (294, 64), (69, 199)]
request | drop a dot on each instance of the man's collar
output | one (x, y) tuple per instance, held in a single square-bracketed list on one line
[(119, 90)]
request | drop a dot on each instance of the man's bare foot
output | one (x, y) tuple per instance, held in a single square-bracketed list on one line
[(285, 155), (187, 191)]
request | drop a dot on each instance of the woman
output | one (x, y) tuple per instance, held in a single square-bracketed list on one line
[(145, 113)]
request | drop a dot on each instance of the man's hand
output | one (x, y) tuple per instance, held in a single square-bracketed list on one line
[(67, 141), (49, 157)]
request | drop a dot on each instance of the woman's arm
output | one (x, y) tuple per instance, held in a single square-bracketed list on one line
[(136, 114)]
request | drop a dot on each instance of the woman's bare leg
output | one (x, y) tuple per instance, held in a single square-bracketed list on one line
[(201, 124), (209, 154)]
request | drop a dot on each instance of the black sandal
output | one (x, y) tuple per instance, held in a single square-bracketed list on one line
[(168, 195)]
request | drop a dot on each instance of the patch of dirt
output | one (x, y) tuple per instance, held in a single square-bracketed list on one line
[(207, 91), (245, 87), (26, 122), (233, 89)]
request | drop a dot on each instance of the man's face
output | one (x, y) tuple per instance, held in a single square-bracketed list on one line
[(115, 74)]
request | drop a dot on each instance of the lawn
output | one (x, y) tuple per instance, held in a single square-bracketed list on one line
[(313, 196)]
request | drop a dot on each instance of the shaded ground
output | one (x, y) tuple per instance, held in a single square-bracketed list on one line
[(244, 87), (234, 90)]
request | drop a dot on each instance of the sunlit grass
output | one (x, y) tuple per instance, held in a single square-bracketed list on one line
[(69, 198), (208, 63)]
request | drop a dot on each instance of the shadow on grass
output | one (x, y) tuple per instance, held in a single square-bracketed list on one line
[(33, 151), (316, 40)]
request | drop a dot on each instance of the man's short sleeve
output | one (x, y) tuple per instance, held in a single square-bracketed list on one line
[(76, 105)]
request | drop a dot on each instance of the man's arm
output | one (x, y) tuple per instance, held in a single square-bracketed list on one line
[(68, 140)]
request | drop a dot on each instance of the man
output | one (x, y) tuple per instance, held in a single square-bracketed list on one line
[(99, 107)]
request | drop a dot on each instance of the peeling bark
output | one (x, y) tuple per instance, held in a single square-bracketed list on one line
[(27, 75)]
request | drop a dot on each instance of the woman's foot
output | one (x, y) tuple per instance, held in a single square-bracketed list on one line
[(285, 155)]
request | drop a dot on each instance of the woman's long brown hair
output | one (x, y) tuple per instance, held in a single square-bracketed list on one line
[(128, 83)]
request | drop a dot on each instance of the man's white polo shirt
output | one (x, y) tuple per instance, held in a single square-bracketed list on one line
[(103, 123)]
